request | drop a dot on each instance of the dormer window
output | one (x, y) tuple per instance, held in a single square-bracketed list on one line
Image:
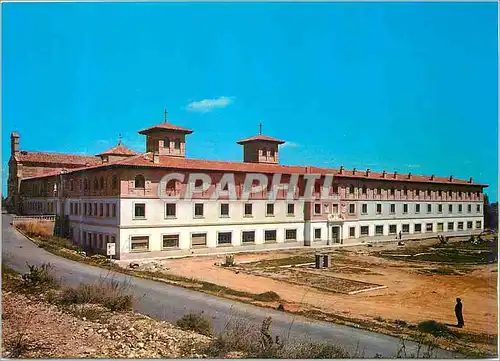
[(139, 182)]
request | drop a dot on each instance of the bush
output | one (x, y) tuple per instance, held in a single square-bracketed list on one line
[(434, 328), (267, 296), (195, 322), (36, 228), (401, 323), (40, 277), (112, 295)]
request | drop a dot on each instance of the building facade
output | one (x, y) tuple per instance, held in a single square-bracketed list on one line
[(116, 198)]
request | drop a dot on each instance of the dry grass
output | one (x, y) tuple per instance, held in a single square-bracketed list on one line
[(37, 228), (195, 322)]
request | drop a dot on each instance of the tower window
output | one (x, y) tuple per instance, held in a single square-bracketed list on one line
[(177, 144), (139, 181), (166, 143)]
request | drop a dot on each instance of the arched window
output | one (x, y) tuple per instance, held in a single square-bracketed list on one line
[(170, 185), (351, 189), (166, 143), (86, 184), (101, 183), (71, 185), (363, 190), (114, 182), (140, 182), (271, 153), (96, 184), (177, 143), (264, 152)]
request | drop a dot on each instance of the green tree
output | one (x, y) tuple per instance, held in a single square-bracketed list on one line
[(490, 214)]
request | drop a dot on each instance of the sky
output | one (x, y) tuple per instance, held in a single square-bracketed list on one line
[(407, 87)]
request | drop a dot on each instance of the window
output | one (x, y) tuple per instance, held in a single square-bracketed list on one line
[(460, 226), (248, 209), (379, 230), (459, 208), (405, 208), (351, 189), (317, 233), (428, 227), (364, 230), (94, 213), (96, 184), (392, 229), (107, 210), (166, 143), (270, 209), (170, 210), (101, 209), (352, 232), (224, 210), (429, 208), (364, 208), (198, 209), (177, 144), (317, 208), (478, 208), (391, 191), (417, 208), (198, 240), (469, 208), (440, 227), (478, 224), (170, 241), (440, 193), (363, 190), (224, 238), (114, 182), (248, 236), (450, 208), (418, 228), (114, 210), (139, 243), (351, 208), (405, 192), (406, 228), (449, 193), (291, 209), (140, 210), (469, 225), (101, 241), (71, 185), (291, 235), (379, 208), (393, 208), (451, 226), (440, 208), (170, 187), (101, 183), (139, 181), (270, 236)]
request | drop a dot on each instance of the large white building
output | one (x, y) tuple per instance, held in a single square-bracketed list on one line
[(116, 199)]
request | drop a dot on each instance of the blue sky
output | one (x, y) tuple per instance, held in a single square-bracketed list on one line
[(396, 86)]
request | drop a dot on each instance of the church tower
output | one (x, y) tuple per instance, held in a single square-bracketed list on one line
[(261, 148)]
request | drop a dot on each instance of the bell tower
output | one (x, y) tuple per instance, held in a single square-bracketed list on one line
[(166, 138), (261, 148)]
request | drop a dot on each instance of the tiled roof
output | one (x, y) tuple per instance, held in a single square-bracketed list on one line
[(119, 149), (165, 126), (261, 137), (146, 160), (55, 158)]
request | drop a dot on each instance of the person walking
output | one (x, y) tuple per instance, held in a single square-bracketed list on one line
[(458, 313), (399, 234)]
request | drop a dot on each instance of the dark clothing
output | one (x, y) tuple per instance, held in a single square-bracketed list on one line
[(458, 313)]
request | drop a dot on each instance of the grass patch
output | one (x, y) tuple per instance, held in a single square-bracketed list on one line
[(293, 260), (268, 296), (36, 228), (195, 322), (39, 278)]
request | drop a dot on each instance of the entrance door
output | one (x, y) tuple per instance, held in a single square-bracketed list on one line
[(336, 234)]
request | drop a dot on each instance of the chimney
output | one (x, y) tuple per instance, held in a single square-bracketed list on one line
[(409, 175), (432, 177), (395, 174), (383, 174), (156, 158), (354, 171), (341, 169), (368, 172), (471, 180), (451, 178), (14, 143)]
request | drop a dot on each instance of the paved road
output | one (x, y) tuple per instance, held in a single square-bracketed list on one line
[(170, 303)]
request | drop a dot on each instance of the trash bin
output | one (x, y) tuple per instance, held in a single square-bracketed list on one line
[(327, 260), (319, 261)]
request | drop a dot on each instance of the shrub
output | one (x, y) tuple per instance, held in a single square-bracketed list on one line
[(434, 328), (379, 319), (37, 228), (401, 323), (195, 322), (312, 350), (267, 296), (112, 295), (40, 277)]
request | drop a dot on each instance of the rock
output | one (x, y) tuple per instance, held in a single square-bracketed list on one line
[(140, 344)]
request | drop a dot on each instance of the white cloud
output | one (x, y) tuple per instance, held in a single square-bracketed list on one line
[(413, 165), (290, 145), (207, 105)]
